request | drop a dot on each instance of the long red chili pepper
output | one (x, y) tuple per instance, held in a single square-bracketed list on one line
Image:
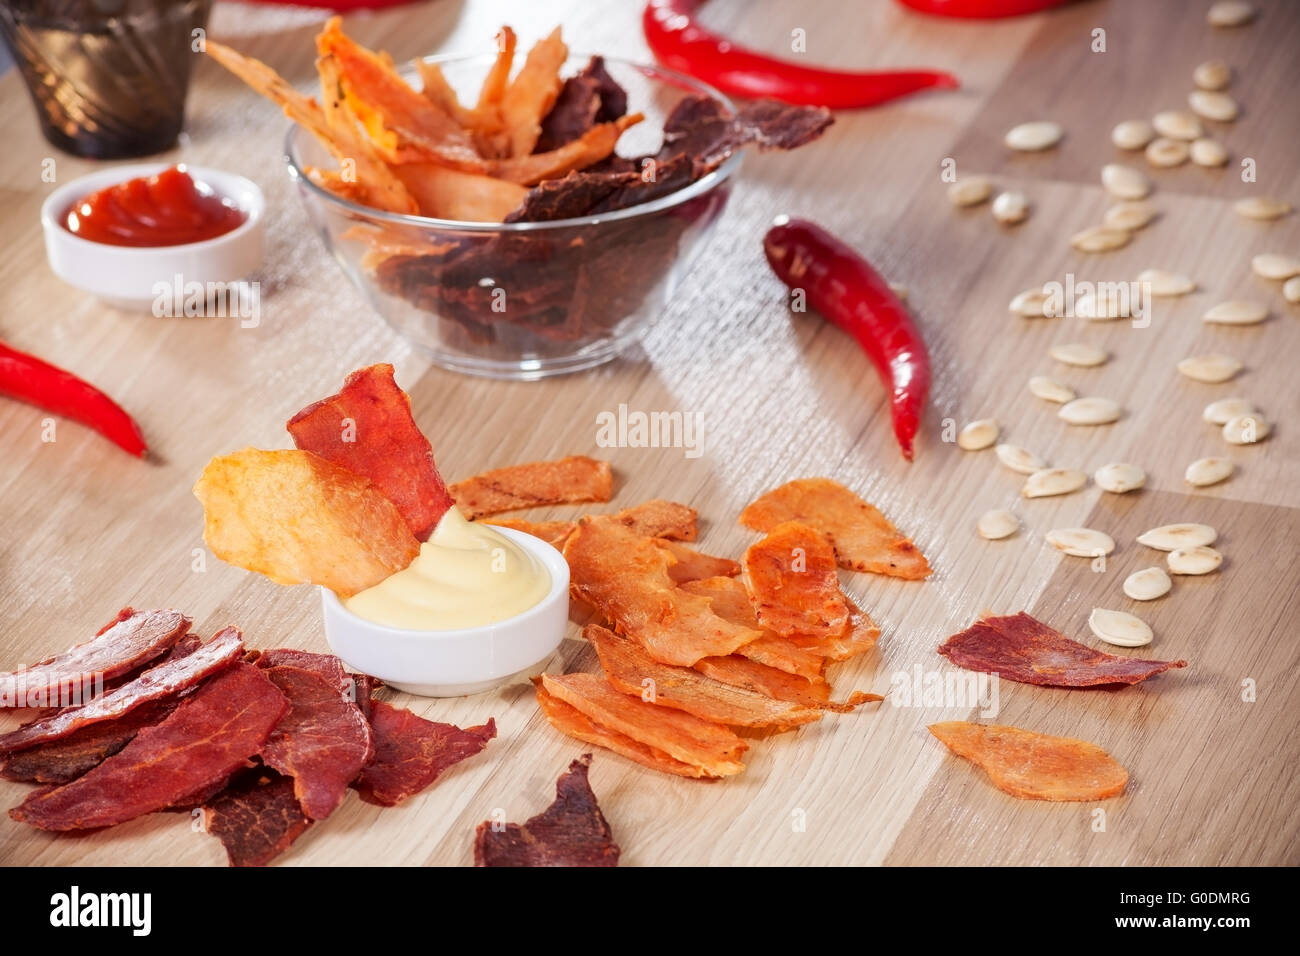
[(682, 44), (982, 9), (27, 378), (851, 295)]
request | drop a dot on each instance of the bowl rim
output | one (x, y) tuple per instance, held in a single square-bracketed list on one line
[(701, 186), (547, 554)]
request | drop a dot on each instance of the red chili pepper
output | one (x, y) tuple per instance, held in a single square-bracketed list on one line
[(28, 379), (852, 296), (682, 44), (982, 9)]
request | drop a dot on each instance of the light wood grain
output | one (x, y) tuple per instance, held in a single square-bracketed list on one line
[(88, 529)]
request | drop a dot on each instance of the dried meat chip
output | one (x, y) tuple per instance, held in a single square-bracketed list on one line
[(631, 670), (1035, 766), (858, 637), (411, 752), (368, 428), (793, 584), (165, 680), (706, 130), (613, 98), (554, 533), (573, 479), (625, 577), (256, 817), (209, 736), (762, 679), (658, 518), (572, 115), (863, 538), (691, 565), (323, 742), (1021, 648), (68, 758), (129, 641), (730, 601), (570, 832), (574, 723), (710, 747)]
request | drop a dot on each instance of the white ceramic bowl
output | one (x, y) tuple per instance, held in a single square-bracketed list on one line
[(129, 276), (457, 662)]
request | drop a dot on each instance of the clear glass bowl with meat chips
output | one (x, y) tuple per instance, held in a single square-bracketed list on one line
[(539, 264)]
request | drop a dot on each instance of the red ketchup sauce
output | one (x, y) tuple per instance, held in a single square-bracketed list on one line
[(169, 209)]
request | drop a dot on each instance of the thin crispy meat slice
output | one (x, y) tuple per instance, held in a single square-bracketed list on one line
[(710, 747), (1022, 648), (437, 90), (691, 565), (68, 758), (574, 723), (863, 538), (587, 150), (625, 577), (454, 194), (531, 94), (762, 679), (703, 128), (322, 742), (355, 687), (209, 736), (730, 601), (572, 115), (658, 518), (567, 480), (411, 752), (129, 641), (570, 832), (368, 428), (631, 670), (792, 583), (554, 533), (165, 680), (256, 817), (1035, 766), (497, 80), (858, 637)]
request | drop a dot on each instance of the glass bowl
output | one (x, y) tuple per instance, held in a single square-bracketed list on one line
[(531, 299)]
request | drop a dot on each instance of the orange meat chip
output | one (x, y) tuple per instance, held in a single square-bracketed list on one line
[(762, 679), (554, 533), (1035, 766), (573, 479), (857, 638), (730, 601), (657, 518), (529, 96), (710, 748), (630, 669), (574, 723), (863, 538), (692, 565), (625, 577), (300, 519), (793, 584)]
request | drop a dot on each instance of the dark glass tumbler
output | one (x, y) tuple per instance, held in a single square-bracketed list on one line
[(108, 77)]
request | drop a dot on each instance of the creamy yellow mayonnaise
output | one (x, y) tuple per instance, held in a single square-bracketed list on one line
[(465, 575)]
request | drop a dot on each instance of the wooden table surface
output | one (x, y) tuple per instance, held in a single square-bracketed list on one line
[(87, 529)]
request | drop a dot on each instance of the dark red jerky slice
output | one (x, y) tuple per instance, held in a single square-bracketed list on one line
[(325, 665), (363, 689), (570, 832), (201, 743), (322, 742), (593, 96), (613, 98), (129, 641), (411, 752), (165, 680), (1021, 648), (67, 759), (704, 129), (256, 818)]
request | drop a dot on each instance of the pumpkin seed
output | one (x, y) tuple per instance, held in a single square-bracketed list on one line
[(1208, 152), (898, 290), (1119, 477), (1049, 388), (1031, 304), (1213, 105), (1291, 290), (1246, 429), (1212, 75), (1081, 542), (978, 434), (1119, 628), (1237, 312), (1125, 181), (1078, 353), (1212, 368), (1177, 124), (1019, 459), (1130, 215), (970, 191), (1166, 153), (1132, 134), (1226, 409), (1089, 411), (1032, 137), (1100, 239), (1011, 207), (1208, 471), (1110, 305), (1171, 537), (1147, 584), (1230, 13), (1275, 265), (1261, 207), (1053, 481), (1162, 283), (995, 525), (1198, 560)]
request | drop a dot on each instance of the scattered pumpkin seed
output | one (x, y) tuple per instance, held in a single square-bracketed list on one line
[(1078, 353), (970, 190), (1132, 134), (1166, 153), (1125, 182), (1035, 136), (1226, 409), (1213, 105), (1198, 560), (1130, 215), (1100, 239), (1019, 459), (1275, 265), (1211, 369), (1212, 75), (1208, 471), (1163, 283), (1011, 207), (1171, 537), (1246, 429), (1031, 304), (1208, 152), (1237, 312), (1291, 290), (1119, 477), (1050, 389), (1089, 411), (1081, 542), (1053, 481), (1147, 584), (1119, 628), (1177, 124), (1104, 308), (1262, 207), (1230, 13), (978, 434), (996, 525)]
